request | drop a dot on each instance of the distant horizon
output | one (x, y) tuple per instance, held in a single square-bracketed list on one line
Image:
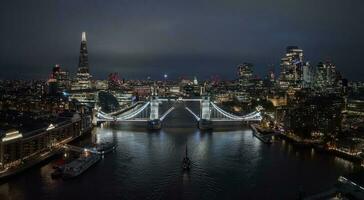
[(149, 38), (229, 74)]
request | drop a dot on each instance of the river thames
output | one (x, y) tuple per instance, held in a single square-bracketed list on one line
[(226, 164)]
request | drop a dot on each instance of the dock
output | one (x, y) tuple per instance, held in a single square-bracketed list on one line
[(264, 138), (79, 149)]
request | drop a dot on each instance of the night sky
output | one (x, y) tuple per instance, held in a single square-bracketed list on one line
[(137, 38)]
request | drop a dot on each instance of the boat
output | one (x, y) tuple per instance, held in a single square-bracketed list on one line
[(106, 147), (259, 135), (80, 165), (186, 163)]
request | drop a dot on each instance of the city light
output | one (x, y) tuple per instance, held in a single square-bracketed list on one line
[(50, 127), (150, 92), (12, 136)]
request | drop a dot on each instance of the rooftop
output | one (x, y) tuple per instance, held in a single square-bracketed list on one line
[(29, 124)]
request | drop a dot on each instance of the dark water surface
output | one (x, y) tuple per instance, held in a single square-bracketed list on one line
[(227, 164)]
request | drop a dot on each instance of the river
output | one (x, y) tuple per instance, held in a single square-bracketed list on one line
[(226, 164)]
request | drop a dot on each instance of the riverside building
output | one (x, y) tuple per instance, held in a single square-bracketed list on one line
[(24, 146)]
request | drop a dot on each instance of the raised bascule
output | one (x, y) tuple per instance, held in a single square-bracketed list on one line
[(149, 112)]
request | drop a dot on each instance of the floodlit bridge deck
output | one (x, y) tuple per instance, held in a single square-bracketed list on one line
[(150, 111)]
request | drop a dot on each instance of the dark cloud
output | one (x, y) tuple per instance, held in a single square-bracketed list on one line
[(138, 38)]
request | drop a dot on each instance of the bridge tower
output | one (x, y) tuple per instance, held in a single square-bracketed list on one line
[(154, 109), (95, 110), (205, 108), (154, 122), (205, 121)]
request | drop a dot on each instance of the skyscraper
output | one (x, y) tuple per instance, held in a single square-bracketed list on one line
[(245, 73), (326, 75), (307, 75), (83, 79), (114, 81), (83, 66), (62, 77), (292, 66)]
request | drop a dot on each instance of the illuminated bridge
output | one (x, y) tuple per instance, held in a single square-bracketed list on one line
[(149, 112)]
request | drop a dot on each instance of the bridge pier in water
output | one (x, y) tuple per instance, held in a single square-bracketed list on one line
[(154, 122), (204, 124)]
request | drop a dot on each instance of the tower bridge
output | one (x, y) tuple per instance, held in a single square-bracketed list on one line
[(150, 113)]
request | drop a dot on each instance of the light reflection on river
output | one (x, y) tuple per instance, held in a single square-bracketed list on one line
[(229, 164)]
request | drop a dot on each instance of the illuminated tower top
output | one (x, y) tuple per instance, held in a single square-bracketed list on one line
[(83, 66), (83, 36)]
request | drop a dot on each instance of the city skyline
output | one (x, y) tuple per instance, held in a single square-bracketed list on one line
[(194, 99), (149, 39)]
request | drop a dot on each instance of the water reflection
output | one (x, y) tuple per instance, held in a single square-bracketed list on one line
[(230, 164), (347, 164)]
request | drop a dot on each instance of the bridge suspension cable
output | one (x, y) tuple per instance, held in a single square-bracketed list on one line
[(133, 114), (251, 116)]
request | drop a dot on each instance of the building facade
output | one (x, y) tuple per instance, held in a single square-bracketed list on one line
[(21, 150), (292, 68), (83, 78)]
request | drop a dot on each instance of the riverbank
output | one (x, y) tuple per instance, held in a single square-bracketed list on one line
[(261, 135), (228, 164), (40, 158), (320, 147)]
